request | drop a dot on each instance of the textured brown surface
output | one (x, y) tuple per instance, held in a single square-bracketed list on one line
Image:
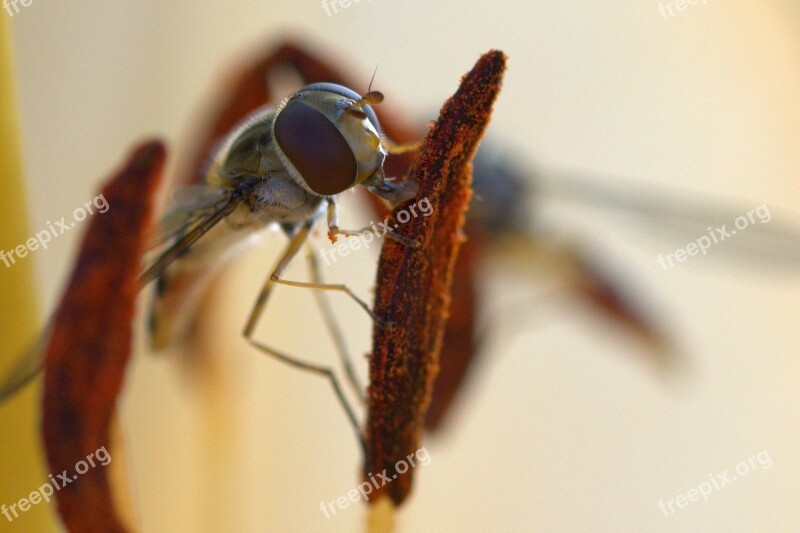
[(413, 288), (90, 342), (460, 345)]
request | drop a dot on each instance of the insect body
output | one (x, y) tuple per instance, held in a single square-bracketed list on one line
[(283, 166)]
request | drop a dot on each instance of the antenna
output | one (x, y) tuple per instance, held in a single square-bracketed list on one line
[(372, 78)]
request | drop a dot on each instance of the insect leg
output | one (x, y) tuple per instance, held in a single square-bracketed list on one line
[(334, 230), (332, 325), (258, 309), (317, 369), (331, 287)]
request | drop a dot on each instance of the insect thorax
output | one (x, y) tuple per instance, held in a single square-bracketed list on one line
[(247, 161)]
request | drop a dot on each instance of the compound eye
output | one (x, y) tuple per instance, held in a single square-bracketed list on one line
[(316, 148)]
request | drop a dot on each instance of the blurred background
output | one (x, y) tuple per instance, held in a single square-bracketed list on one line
[(565, 427)]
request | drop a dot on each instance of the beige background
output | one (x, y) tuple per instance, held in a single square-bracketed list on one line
[(566, 428)]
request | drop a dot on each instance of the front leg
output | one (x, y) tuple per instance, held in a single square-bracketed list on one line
[(334, 230)]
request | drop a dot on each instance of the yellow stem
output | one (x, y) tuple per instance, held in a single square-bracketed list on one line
[(21, 458), (381, 516)]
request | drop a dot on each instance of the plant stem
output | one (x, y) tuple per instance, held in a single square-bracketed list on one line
[(20, 452)]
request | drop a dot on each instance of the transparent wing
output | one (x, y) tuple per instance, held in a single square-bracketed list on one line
[(766, 236), (197, 211), (187, 226), (190, 205), (503, 190)]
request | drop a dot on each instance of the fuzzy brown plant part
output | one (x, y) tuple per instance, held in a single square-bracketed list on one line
[(413, 284), (89, 344)]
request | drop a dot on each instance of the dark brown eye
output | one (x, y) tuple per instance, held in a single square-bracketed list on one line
[(316, 148)]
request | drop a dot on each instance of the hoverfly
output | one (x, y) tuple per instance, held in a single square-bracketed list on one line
[(281, 166)]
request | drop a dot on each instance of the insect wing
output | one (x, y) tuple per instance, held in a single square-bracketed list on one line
[(190, 205), (685, 218), (186, 237)]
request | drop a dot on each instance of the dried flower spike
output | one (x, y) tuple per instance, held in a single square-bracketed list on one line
[(90, 343), (413, 288)]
